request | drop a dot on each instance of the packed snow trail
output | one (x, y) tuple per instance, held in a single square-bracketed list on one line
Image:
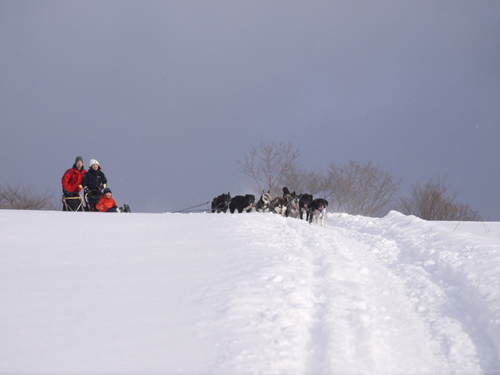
[(248, 293), (452, 279), (342, 302)]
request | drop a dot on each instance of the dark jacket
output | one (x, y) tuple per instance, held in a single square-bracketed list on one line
[(72, 178), (94, 180)]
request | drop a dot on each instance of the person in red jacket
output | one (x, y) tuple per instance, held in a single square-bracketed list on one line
[(71, 182), (106, 203)]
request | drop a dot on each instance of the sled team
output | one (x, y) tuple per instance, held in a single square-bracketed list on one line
[(291, 205), (97, 196)]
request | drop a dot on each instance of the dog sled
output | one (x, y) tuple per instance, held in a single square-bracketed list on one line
[(72, 204), (91, 199)]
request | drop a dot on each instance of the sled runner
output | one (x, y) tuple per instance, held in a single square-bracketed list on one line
[(72, 203)]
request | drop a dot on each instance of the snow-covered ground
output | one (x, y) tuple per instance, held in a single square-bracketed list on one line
[(247, 293)]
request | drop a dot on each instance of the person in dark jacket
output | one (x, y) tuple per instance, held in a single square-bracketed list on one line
[(71, 185), (93, 182)]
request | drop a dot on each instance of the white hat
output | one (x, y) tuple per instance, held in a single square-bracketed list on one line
[(93, 161)]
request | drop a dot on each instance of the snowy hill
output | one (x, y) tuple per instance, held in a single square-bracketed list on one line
[(247, 293)]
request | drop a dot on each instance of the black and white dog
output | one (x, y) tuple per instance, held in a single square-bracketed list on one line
[(292, 205), (221, 203), (304, 202), (263, 203), (242, 203), (317, 211), (278, 206)]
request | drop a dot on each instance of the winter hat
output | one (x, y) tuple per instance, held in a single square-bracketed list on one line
[(78, 158), (93, 161), (106, 190)]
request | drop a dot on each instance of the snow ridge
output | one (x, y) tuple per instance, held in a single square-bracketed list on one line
[(247, 294)]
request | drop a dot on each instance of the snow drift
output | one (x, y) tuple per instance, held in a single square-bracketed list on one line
[(247, 293)]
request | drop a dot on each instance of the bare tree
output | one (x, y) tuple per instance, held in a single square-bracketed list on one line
[(20, 197), (303, 181), (432, 201), (361, 189), (267, 165)]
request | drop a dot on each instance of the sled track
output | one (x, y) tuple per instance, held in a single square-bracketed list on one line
[(434, 282), (343, 300)]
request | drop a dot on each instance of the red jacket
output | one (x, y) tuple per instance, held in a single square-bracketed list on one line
[(72, 178), (105, 204)]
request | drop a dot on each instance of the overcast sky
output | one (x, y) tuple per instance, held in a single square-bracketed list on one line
[(168, 95)]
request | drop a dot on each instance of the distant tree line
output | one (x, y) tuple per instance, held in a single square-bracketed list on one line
[(354, 188)]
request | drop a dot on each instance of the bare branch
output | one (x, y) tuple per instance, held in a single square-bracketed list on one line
[(267, 165), (361, 189), (431, 202), (20, 197)]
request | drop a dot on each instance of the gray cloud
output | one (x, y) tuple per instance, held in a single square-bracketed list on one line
[(167, 95)]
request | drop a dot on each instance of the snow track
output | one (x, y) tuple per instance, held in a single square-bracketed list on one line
[(255, 294), (357, 296)]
